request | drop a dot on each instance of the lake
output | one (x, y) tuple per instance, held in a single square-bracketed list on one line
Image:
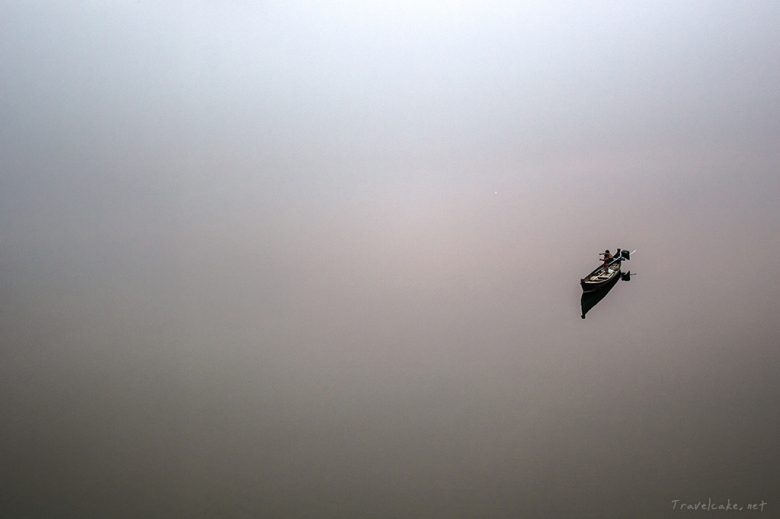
[(287, 262)]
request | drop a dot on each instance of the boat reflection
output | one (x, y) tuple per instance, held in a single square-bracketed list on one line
[(591, 299)]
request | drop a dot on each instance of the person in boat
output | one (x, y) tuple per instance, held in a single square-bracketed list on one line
[(607, 257)]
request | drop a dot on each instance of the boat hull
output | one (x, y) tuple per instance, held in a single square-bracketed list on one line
[(590, 299), (601, 278)]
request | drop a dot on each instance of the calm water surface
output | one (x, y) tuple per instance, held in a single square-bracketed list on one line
[(347, 284)]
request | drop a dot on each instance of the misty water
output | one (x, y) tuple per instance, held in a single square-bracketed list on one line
[(344, 293)]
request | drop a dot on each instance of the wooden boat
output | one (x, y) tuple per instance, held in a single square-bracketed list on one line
[(604, 276), (591, 299), (601, 278)]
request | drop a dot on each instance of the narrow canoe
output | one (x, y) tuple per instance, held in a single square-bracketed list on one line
[(602, 277)]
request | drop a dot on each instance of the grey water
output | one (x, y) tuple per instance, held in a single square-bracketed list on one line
[(287, 261)]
